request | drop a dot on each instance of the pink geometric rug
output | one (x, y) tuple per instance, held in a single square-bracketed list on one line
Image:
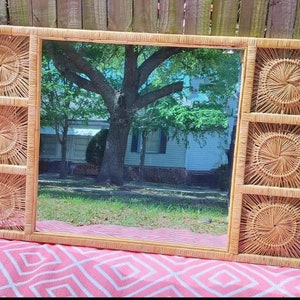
[(43, 270), (160, 234)]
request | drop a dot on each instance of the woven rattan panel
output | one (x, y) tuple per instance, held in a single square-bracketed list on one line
[(265, 201), (270, 225), (14, 91)]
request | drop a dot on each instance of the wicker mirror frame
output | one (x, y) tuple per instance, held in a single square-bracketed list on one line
[(264, 216)]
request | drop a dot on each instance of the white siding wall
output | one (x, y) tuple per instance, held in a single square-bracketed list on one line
[(174, 156), (77, 148), (213, 153), (51, 149), (205, 158)]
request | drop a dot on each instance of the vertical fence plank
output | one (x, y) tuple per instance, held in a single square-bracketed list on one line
[(197, 17), (69, 14), (171, 16), (3, 12), (256, 18), (296, 31), (224, 17), (120, 15), (253, 16), (94, 14), (44, 13), (20, 12), (145, 15), (281, 18)]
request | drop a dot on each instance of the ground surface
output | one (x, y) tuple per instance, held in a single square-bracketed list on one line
[(133, 187)]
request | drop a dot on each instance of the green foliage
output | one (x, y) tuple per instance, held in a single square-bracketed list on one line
[(178, 120), (112, 61), (155, 70), (63, 101), (152, 83), (96, 147), (180, 114)]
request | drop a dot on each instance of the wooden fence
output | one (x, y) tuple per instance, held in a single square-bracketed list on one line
[(252, 18)]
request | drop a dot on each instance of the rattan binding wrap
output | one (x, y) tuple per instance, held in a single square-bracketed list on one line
[(270, 226)]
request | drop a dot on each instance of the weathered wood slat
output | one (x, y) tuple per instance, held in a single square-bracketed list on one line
[(69, 14), (20, 12), (145, 16), (224, 17), (281, 18), (94, 14), (296, 30), (197, 17), (3, 12), (248, 18), (171, 15), (253, 16), (120, 15), (44, 13)]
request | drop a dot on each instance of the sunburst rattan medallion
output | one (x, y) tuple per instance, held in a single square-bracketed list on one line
[(270, 226), (14, 66), (13, 135), (273, 155), (277, 82), (12, 201)]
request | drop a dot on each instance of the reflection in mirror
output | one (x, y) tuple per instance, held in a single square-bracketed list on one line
[(137, 141)]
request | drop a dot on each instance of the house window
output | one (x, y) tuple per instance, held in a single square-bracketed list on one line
[(48, 146), (156, 142), (79, 146)]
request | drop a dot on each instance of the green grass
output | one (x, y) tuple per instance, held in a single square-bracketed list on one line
[(150, 211)]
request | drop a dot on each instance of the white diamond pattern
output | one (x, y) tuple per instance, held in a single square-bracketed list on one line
[(43, 270)]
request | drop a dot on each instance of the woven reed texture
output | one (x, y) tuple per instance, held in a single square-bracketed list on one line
[(13, 135), (277, 82), (263, 225), (14, 66), (14, 92), (273, 155), (12, 204), (270, 226), (33, 135)]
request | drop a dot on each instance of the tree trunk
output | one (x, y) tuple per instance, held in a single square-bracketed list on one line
[(111, 171), (142, 157), (63, 163)]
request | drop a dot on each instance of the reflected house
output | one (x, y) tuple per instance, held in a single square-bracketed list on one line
[(166, 160), (79, 135), (171, 162)]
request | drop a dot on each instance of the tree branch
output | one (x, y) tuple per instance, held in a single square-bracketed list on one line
[(152, 96), (158, 57), (69, 63)]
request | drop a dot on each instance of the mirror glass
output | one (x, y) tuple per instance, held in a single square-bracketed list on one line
[(137, 141)]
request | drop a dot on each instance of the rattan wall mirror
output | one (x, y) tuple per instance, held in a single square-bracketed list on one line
[(264, 225)]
